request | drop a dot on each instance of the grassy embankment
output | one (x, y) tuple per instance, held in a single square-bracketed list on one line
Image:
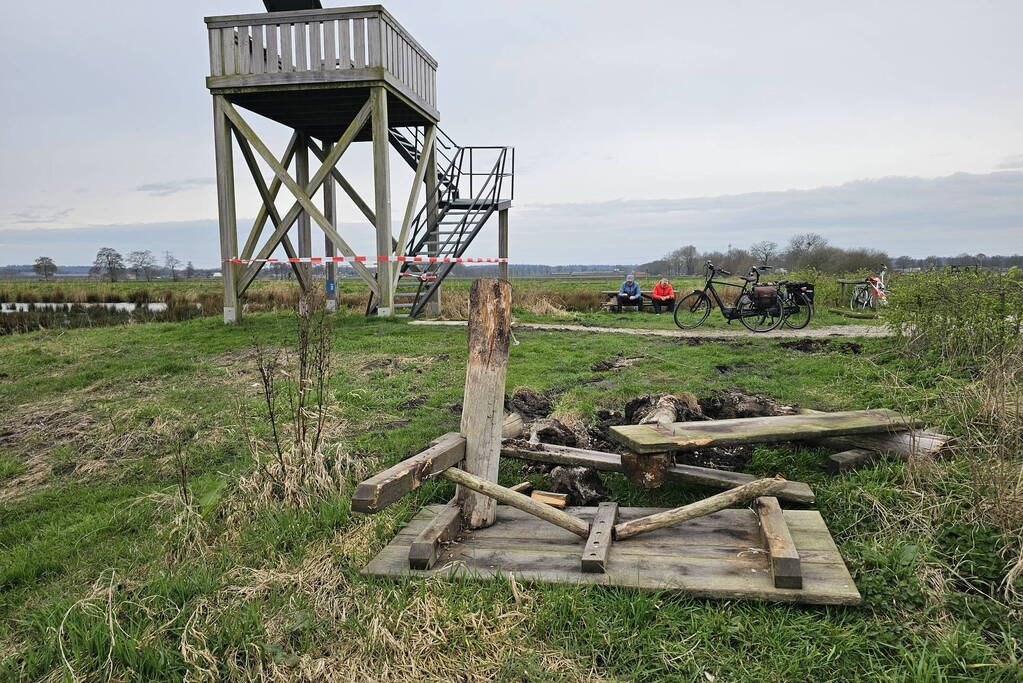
[(101, 573)]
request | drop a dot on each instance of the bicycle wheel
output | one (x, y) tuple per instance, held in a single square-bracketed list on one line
[(799, 311), (692, 310), (760, 319), (860, 298)]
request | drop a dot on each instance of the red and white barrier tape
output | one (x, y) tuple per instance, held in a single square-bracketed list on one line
[(363, 259)]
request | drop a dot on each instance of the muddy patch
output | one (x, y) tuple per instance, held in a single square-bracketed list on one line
[(582, 484), (731, 404), (823, 346), (412, 403), (530, 404)]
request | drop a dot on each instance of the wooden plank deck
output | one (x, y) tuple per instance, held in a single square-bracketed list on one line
[(682, 436), (717, 556)]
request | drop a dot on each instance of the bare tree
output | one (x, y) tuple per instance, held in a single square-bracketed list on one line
[(142, 262), (109, 263), (45, 267), (171, 264), (764, 252), (189, 271)]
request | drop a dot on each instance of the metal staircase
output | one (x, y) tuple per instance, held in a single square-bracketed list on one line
[(466, 198)]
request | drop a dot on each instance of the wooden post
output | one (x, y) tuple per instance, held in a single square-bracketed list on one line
[(502, 242), (433, 218), (329, 251), (305, 233), (598, 545), (382, 185), (786, 567), (483, 401), (226, 209)]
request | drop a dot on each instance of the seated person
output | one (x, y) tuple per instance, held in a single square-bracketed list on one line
[(663, 295), (629, 294)]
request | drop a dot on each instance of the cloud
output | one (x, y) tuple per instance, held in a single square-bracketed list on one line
[(37, 215), (172, 187), (1010, 162)]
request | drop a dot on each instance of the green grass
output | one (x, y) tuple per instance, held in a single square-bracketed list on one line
[(97, 415)]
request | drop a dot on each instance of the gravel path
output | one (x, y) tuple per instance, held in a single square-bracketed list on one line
[(808, 333)]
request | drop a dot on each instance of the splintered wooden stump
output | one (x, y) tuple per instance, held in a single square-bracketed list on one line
[(483, 402), (648, 470)]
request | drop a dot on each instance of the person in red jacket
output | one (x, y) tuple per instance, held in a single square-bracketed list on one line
[(663, 295)]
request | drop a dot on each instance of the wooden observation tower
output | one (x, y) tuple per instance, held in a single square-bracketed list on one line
[(336, 77)]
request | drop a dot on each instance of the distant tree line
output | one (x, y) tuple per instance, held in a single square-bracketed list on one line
[(802, 251)]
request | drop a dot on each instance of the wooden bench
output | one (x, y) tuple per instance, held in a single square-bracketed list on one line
[(612, 299)]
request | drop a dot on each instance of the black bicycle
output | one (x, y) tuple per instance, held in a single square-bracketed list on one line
[(798, 300), (759, 308)]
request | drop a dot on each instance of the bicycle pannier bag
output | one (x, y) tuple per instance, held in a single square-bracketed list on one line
[(765, 295), (804, 288)]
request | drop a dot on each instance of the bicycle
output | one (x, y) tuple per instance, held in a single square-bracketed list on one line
[(872, 293), (758, 307), (798, 302)]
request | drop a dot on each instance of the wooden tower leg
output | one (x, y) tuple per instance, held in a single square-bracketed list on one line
[(483, 402), (432, 211), (305, 233), (329, 250), (226, 209), (382, 183), (502, 242)]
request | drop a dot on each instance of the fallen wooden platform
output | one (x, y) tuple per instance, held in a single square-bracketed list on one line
[(794, 491), (721, 555), (684, 436)]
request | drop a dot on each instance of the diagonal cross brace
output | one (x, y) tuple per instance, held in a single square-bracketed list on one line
[(270, 208), (303, 201), (275, 188)]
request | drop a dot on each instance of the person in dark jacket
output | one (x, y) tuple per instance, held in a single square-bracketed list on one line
[(629, 294)]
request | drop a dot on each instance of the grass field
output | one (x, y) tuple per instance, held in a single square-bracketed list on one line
[(101, 577)]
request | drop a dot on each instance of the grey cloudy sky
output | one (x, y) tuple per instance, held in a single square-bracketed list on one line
[(638, 126)]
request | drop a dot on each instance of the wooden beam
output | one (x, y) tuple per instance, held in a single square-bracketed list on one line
[(383, 488), (483, 400), (413, 199), (444, 528), (598, 545), (659, 520), (555, 500), (517, 500), (359, 202), (684, 436), (226, 213), (303, 195), (305, 228), (275, 187), (785, 563), (331, 214), (513, 426), (269, 207), (382, 197), (795, 491), (432, 222), (502, 242), (525, 488), (902, 445)]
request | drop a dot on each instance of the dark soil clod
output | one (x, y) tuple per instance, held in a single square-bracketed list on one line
[(530, 404), (582, 484), (822, 346)]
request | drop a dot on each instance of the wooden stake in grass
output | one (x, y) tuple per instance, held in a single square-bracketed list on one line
[(483, 402), (746, 492)]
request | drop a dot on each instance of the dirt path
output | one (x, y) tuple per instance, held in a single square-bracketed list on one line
[(809, 333)]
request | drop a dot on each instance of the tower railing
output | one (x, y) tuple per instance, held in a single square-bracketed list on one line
[(309, 46)]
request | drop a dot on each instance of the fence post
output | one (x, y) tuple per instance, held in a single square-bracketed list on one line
[(483, 401)]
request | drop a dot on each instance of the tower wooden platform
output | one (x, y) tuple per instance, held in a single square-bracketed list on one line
[(337, 77)]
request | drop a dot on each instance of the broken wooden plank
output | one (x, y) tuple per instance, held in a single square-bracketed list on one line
[(383, 488), (794, 491), (707, 557), (555, 500), (683, 436), (902, 445), (443, 528), (851, 459), (598, 545), (785, 563), (517, 500), (523, 488), (720, 501)]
